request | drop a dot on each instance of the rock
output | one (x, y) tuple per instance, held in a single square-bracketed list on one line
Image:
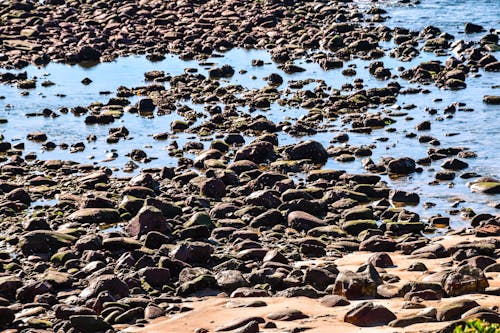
[(257, 152), (153, 312), (310, 149), (64, 311), (487, 187), (334, 300), (109, 283), (231, 280), (367, 314), (95, 215), (471, 28), (287, 315), (213, 188), (437, 249), (193, 252), (249, 292), (382, 260), (303, 221), (89, 323), (198, 284), (265, 198), (454, 164), (411, 320), (453, 310), (490, 99), (357, 285), (19, 195), (148, 219), (354, 227), (319, 278), (402, 166), (238, 323), (8, 285), (7, 316), (44, 241), (404, 197), (146, 105), (155, 276), (378, 243), (465, 280)]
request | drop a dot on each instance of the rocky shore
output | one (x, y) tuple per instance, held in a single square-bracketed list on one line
[(247, 230)]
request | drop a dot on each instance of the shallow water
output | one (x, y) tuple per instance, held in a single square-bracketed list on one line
[(477, 130)]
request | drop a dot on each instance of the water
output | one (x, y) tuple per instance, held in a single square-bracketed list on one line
[(477, 130)]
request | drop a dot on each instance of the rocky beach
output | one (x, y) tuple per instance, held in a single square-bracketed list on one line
[(249, 166)]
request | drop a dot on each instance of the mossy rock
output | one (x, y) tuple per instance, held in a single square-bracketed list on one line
[(200, 218), (44, 241), (403, 228), (486, 187), (60, 258), (354, 227), (197, 284)]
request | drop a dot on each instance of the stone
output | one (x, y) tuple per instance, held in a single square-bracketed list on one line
[(95, 215), (382, 260), (109, 283), (193, 252), (465, 279), (401, 166), (453, 310), (238, 323), (7, 316), (303, 221), (367, 314), (148, 219), (287, 315), (357, 285), (44, 241), (309, 149), (231, 280), (334, 300), (89, 323)]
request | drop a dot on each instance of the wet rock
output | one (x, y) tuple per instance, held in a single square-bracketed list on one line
[(404, 197), (471, 28), (257, 152), (367, 314), (403, 166), (310, 149), (490, 99), (454, 164)]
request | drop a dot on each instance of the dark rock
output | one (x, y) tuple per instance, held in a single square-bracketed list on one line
[(367, 314)]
